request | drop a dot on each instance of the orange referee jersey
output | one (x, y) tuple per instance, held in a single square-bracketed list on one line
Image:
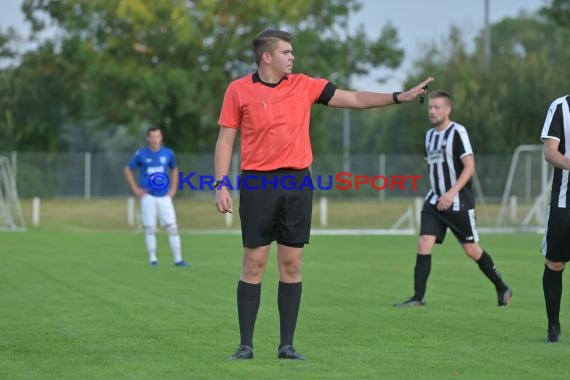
[(274, 121)]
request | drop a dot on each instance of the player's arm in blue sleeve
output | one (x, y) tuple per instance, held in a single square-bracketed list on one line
[(135, 160), (129, 176)]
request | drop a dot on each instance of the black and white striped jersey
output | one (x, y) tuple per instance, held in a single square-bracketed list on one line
[(557, 126), (444, 150)]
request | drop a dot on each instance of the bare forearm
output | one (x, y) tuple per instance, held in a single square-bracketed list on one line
[(363, 100), (557, 159), (372, 99), (223, 158), (174, 180), (465, 176), (130, 179)]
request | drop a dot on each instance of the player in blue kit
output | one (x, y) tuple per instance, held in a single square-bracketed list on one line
[(157, 186)]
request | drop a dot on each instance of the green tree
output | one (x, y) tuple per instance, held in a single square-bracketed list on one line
[(7, 55), (502, 105), (126, 63), (558, 11)]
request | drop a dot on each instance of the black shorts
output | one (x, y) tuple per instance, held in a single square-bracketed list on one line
[(276, 206), (556, 241), (461, 223)]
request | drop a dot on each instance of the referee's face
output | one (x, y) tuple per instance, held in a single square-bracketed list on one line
[(282, 58), (439, 111)]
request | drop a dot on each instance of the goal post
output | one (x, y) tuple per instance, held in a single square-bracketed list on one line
[(11, 217), (527, 159)]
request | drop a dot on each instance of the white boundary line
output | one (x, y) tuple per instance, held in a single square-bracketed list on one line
[(376, 232), (316, 232)]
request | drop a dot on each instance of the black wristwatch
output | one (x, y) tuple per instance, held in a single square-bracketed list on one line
[(395, 97), (217, 183)]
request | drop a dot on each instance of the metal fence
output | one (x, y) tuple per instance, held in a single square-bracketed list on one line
[(89, 175)]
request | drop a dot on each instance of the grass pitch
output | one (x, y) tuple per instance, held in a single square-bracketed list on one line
[(85, 305)]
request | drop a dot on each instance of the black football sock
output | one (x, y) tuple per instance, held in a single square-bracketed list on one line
[(487, 266), (552, 287), (288, 301), (421, 274), (248, 296)]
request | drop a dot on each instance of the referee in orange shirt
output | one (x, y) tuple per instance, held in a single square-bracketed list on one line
[(272, 109)]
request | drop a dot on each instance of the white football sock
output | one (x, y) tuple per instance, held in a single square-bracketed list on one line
[(150, 240), (174, 241)]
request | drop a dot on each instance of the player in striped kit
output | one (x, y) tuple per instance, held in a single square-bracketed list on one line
[(450, 202), (556, 242)]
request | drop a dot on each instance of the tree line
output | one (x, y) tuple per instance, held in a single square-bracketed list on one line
[(97, 73)]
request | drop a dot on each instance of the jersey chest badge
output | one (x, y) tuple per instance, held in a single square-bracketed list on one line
[(435, 157)]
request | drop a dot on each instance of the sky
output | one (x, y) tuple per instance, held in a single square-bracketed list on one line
[(417, 21), (421, 21)]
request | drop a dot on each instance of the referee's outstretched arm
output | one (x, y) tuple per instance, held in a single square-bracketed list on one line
[(362, 99)]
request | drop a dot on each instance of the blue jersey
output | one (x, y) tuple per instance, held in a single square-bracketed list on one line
[(150, 162)]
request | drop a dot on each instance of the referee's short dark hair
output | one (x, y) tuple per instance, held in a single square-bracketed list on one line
[(267, 41), (441, 94)]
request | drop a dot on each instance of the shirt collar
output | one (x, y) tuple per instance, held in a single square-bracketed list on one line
[(256, 79)]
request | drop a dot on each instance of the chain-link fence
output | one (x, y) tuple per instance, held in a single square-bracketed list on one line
[(510, 189), (90, 175)]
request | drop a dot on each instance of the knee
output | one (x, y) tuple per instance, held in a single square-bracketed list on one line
[(150, 230), (172, 230), (291, 267), (473, 251), (556, 266), (253, 268), (425, 244)]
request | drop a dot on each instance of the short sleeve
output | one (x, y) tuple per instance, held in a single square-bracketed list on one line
[(461, 143), (314, 87), (230, 115), (327, 94), (135, 160), (553, 124)]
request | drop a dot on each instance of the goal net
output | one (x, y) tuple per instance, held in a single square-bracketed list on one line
[(11, 218)]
